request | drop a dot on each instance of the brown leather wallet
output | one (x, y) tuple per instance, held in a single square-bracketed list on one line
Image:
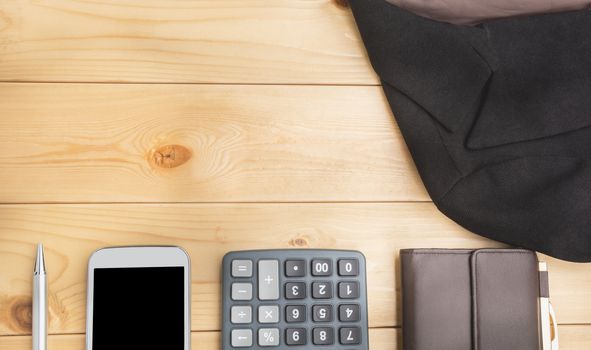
[(459, 299)]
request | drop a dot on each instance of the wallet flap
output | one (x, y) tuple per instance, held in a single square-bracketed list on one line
[(436, 299), (505, 291)]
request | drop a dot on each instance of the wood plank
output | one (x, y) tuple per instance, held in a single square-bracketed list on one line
[(200, 143), (212, 41), (71, 233), (575, 337)]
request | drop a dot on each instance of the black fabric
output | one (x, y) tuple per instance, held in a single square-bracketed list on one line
[(497, 118)]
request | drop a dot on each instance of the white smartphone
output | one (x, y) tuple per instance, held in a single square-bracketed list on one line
[(138, 298)]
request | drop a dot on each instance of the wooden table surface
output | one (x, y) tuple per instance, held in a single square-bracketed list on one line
[(215, 125)]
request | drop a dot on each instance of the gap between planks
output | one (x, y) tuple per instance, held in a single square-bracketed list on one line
[(215, 202), (90, 82)]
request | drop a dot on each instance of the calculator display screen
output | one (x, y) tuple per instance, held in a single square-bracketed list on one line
[(138, 308)]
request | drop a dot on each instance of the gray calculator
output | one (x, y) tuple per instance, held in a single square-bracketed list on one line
[(294, 298)]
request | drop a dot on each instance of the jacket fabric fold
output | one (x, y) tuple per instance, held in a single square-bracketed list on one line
[(497, 117)]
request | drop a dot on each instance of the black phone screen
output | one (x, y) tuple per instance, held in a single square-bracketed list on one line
[(138, 308)]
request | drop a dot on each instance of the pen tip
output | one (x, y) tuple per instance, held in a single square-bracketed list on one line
[(40, 261)]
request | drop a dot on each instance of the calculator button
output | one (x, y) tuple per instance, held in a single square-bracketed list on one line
[(295, 268), (348, 267), (295, 290), (350, 335), (241, 338), (322, 313), (241, 268), (268, 279), (323, 336), (241, 291), (268, 314), (322, 267), (349, 313), (322, 290), (295, 313), (268, 336), (295, 336), (349, 290), (241, 314)]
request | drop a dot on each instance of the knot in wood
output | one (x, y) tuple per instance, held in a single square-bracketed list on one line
[(21, 314), (170, 156), (299, 242)]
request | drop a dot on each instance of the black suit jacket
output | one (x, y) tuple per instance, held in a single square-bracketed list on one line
[(497, 117)]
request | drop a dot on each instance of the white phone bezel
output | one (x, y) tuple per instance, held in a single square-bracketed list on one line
[(139, 256)]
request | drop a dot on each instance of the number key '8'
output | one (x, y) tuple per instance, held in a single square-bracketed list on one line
[(323, 336)]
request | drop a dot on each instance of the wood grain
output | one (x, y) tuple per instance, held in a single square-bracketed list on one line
[(212, 41), (71, 233), (200, 143), (575, 337)]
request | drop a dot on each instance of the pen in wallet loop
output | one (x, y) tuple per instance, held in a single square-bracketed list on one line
[(39, 302), (549, 331)]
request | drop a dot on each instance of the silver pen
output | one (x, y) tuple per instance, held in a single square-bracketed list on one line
[(39, 302)]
